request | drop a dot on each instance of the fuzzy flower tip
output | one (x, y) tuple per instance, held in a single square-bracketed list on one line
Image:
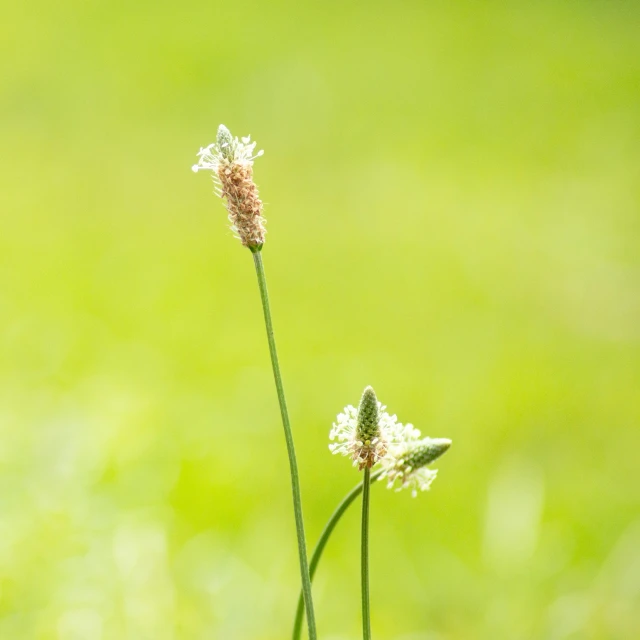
[(364, 434), (405, 464), (231, 162)]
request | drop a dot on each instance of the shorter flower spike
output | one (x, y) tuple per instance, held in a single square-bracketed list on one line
[(364, 433), (369, 435)]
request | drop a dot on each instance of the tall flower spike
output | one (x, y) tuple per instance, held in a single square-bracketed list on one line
[(407, 462), (231, 162), (365, 433)]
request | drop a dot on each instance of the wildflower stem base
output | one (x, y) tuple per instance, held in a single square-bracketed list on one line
[(293, 465), (322, 543)]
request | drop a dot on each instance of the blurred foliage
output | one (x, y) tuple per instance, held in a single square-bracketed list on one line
[(452, 192)]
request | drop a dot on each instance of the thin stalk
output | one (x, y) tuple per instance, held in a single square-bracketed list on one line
[(366, 614), (322, 543), (293, 465)]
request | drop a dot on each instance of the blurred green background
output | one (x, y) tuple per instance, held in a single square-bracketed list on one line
[(452, 192)]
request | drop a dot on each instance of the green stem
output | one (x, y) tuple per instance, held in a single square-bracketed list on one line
[(366, 614), (322, 543), (293, 466)]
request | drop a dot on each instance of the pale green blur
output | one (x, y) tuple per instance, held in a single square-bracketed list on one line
[(452, 193)]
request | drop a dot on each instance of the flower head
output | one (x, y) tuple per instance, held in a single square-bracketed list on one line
[(406, 462), (365, 433), (231, 162), (369, 435)]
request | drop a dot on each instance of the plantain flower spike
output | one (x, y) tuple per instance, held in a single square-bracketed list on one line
[(364, 433), (231, 162), (406, 463)]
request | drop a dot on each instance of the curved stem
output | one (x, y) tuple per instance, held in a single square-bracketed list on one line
[(366, 614), (293, 465), (322, 543)]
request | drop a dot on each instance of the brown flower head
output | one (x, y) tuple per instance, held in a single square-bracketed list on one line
[(231, 162)]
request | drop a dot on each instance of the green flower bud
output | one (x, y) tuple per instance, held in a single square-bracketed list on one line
[(225, 142), (426, 452), (368, 427)]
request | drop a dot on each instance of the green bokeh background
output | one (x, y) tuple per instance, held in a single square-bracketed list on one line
[(452, 190)]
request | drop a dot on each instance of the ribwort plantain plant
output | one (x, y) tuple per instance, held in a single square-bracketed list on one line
[(231, 162), (379, 445)]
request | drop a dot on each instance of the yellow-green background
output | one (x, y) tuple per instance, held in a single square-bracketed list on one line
[(452, 190)]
